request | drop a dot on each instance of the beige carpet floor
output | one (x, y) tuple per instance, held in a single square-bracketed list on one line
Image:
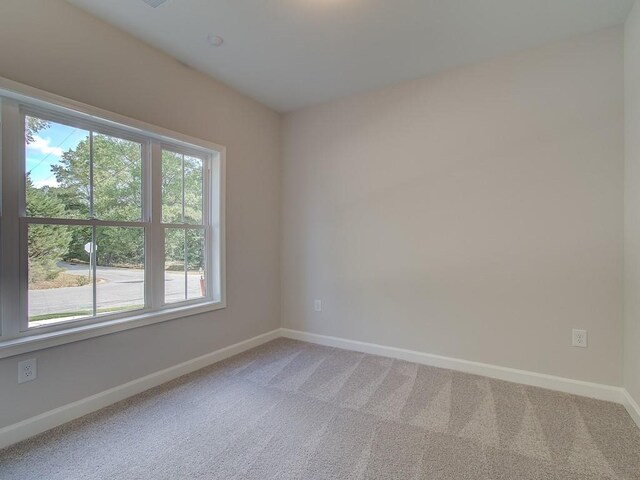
[(292, 410)]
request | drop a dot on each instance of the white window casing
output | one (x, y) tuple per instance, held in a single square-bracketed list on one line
[(16, 335)]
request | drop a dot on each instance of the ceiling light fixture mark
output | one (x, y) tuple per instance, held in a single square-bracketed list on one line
[(154, 3), (215, 40)]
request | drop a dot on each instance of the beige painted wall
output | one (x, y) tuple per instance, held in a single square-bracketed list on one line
[(476, 214), (632, 204), (53, 46)]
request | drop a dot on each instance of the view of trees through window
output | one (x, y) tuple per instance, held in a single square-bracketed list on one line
[(77, 269), (182, 197)]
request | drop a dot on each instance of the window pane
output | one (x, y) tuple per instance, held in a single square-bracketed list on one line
[(182, 188), (96, 266), (119, 269), (117, 179), (195, 264), (171, 187), (193, 176), (174, 276), (57, 170), (60, 284)]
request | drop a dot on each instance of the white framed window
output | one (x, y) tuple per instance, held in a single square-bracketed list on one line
[(107, 223)]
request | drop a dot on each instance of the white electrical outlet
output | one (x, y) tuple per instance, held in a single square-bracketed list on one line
[(317, 305), (579, 338), (27, 370)]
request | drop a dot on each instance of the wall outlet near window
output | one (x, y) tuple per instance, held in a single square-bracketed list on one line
[(317, 305), (27, 370), (579, 338)]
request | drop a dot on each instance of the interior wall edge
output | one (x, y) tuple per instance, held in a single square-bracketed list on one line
[(632, 407)]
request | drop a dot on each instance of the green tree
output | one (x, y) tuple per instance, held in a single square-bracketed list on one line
[(33, 126), (176, 169), (72, 174), (117, 196), (47, 243), (179, 170)]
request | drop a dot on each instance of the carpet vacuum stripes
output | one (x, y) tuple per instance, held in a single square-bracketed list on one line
[(293, 410)]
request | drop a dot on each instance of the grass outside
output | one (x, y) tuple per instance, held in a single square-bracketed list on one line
[(60, 281), (81, 313), (64, 280)]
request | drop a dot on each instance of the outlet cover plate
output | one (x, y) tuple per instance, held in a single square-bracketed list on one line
[(27, 370), (579, 338)]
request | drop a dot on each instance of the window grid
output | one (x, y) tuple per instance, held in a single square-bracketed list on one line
[(90, 221), (185, 226), (13, 115)]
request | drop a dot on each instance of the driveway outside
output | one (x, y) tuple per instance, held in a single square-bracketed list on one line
[(116, 288)]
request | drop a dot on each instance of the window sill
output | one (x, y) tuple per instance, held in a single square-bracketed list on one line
[(34, 342)]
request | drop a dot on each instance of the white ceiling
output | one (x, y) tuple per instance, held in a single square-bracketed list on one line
[(292, 53)]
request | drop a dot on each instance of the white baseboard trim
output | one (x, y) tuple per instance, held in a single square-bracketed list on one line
[(32, 426), (632, 407), (551, 382), (40, 423)]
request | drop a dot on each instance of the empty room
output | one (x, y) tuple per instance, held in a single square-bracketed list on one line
[(320, 239)]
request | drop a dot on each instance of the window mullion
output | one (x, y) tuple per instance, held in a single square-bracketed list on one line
[(94, 268), (93, 260), (147, 219), (91, 189), (183, 219), (207, 222), (212, 205), (154, 261), (186, 271)]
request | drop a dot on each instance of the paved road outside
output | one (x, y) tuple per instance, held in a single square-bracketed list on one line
[(117, 287)]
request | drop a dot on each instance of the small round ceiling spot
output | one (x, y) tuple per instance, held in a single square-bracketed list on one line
[(215, 40)]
